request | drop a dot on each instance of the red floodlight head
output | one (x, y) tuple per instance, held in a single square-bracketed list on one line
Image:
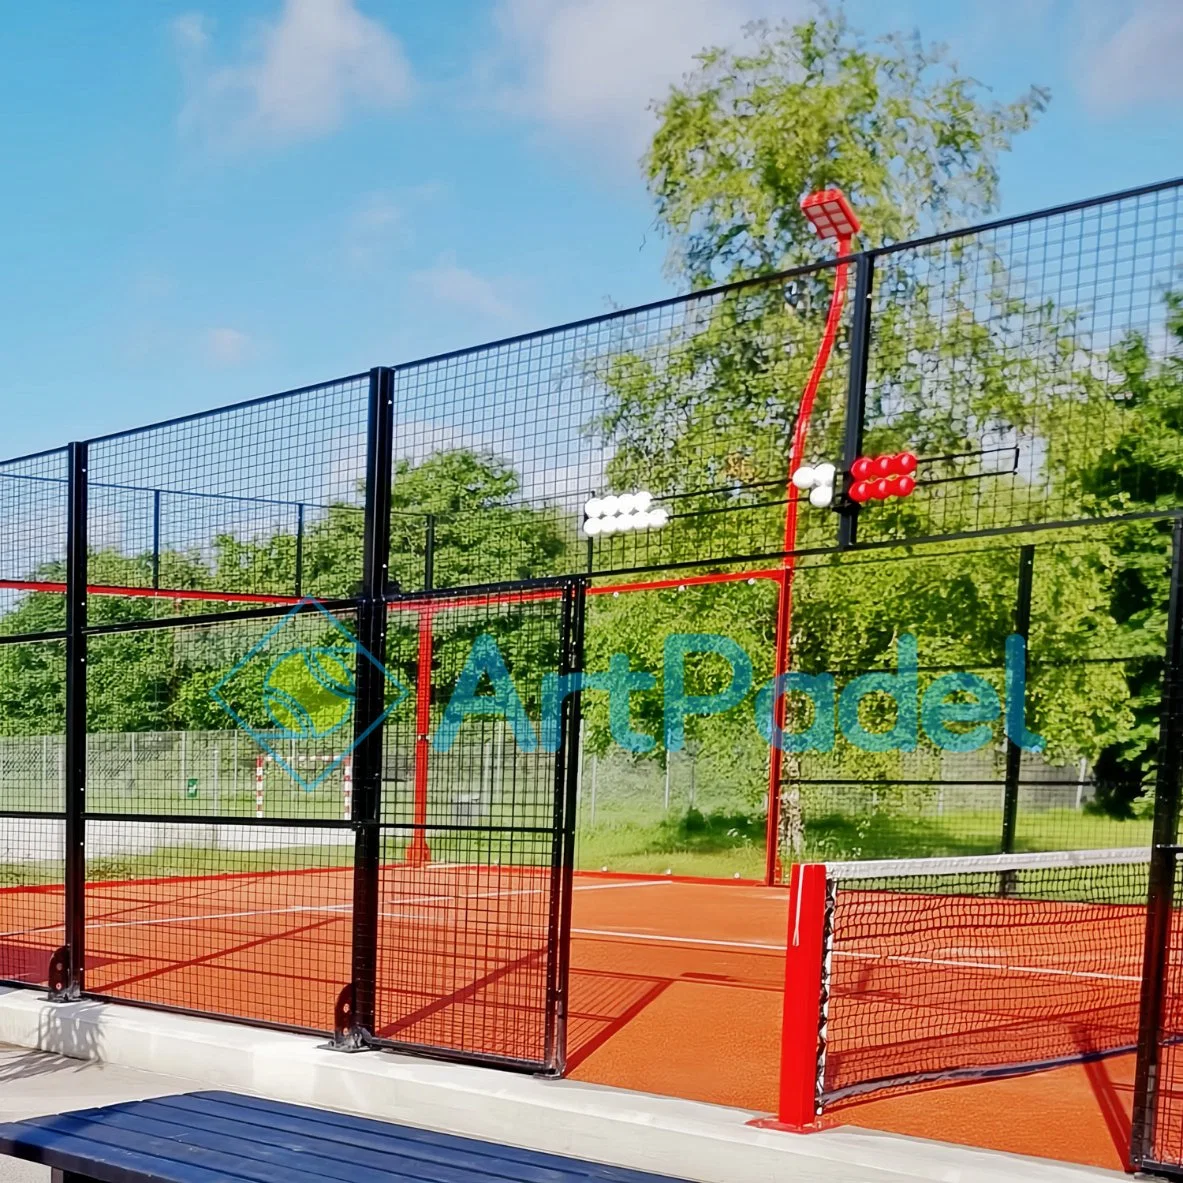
[(830, 213)]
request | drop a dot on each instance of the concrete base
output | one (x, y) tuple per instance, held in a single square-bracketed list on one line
[(686, 1139)]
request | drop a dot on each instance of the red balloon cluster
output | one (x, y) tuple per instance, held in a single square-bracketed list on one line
[(876, 478)]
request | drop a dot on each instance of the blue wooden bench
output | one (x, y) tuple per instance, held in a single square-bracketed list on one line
[(213, 1137)]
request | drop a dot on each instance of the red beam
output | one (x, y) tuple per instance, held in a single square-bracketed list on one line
[(685, 581), (419, 853), (152, 593)]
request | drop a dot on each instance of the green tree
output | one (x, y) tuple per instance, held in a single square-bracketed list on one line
[(913, 142), (1139, 468)]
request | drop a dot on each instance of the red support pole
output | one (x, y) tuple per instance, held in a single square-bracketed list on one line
[(419, 853), (802, 1015), (784, 611)]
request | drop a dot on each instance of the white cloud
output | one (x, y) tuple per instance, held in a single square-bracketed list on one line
[(1136, 60), (590, 68), (227, 347), (377, 223), (298, 76), (191, 32), (381, 222), (449, 283)]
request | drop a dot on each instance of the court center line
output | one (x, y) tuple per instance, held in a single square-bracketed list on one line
[(299, 908)]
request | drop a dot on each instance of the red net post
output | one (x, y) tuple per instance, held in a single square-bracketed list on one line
[(418, 852), (804, 984)]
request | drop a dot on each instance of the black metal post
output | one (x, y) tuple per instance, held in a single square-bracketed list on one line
[(70, 980), (1164, 856), (1014, 753), (371, 704), (155, 538), (300, 549), (856, 393), (563, 848), (429, 554)]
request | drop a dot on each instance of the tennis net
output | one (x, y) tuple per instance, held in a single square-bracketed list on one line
[(948, 968)]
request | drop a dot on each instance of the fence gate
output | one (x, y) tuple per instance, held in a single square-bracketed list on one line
[(477, 824)]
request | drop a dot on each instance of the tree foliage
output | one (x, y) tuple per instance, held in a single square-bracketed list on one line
[(913, 142)]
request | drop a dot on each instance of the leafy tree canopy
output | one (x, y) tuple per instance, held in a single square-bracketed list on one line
[(913, 142)]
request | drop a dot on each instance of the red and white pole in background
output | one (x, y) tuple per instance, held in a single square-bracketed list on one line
[(259, 786), (832, 218), (347, 788)]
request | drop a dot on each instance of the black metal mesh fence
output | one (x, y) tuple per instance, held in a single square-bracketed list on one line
[(32, 714), (1033, 368), (262, 499), (1023, 365), (693, 400)]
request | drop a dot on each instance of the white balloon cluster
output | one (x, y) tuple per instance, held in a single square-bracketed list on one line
[(819, 481), (620, 513)]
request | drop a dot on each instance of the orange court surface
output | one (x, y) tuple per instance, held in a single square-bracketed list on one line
[(676, 986)]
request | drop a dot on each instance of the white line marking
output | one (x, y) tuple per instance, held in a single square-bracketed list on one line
[(1006, 968), (221, 916), (663, 939)]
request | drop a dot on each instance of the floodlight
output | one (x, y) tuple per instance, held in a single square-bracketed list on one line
[(830, 213)]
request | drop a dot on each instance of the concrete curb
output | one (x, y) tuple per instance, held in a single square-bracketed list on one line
[(704, 1143)]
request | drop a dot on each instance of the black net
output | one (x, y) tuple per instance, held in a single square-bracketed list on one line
[(967, 968)]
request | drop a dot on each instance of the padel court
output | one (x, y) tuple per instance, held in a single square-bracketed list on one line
[(866, 537), (677, 987)]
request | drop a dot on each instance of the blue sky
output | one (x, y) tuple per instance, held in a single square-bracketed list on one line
[(203, 202)]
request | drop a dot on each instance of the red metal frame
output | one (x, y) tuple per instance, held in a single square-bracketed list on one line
[(419, 852), (154, 593), (784, 614), (685, 581)]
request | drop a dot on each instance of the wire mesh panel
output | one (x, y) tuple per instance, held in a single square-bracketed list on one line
[(692, 401), (967, 968), (943, 704), (33, 498), (477, 826), (1030, 367), (263, 499), (32, 817), (243, 920), (219, 859), (651, 801)]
